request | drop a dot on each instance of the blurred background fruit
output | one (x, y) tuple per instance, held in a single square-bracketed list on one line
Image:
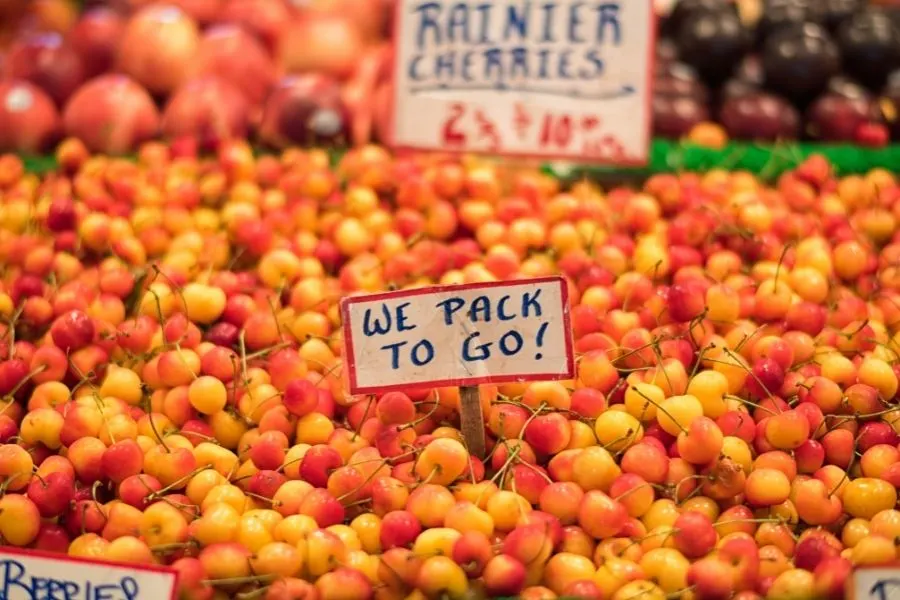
[(209, 110), (96, 39), (111, 114), (824, 66), (157, 47), (792, 54), (48, 61), (230, 52), (214, 70), (303, 110), (28, 118)]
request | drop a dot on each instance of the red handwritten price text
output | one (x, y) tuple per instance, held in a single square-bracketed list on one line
[(567, 133), (522, 121), (461, 119), (467, 127)]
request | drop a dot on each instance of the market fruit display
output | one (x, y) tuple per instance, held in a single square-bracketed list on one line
[(198, 71), (823, 70), (172, 378), (765, 79)]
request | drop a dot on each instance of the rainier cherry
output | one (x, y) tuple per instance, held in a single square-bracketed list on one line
[(694, 534), (72, 330), (686, 301), (174, 382), (300, 397), (395, 408), (52, 493)]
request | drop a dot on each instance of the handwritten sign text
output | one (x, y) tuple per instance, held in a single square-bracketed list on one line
[(458, 335), (875, 583), (39, 576)]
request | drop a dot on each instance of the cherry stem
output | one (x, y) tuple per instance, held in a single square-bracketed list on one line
[(254, 594), (840, 420), (531, 418), (846, 474), (687, 479), (659, 367), (513, 455), (289, 463), (12, 327), (178, 481), (165, 548), (680, 593), (631, 433), (699, 360), (330, 370), (40, 368), (750, 403), (359, 502), (272, 308), (746, 338), (538, 471), (654, 343), (159, 311), (243, 354), (750, 521), (260, 498), (156, 433), (784, 251), (239, 580), (431, 475), (190, 370), (632, 490), (269, 350), (435, 406), (739, 362)]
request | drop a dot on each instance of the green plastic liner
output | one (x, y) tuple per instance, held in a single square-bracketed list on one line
[(667, 156), (765, 161)]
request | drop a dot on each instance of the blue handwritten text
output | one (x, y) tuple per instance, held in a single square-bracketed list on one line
[(18, 583), (471, 44), (456, 311), (885, 589), (374, 326)]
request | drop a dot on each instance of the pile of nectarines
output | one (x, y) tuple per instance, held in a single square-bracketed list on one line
[(172, 382), (120, 73)]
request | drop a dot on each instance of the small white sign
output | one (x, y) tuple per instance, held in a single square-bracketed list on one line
[(876, 583), (30, 575), (458, 335), (566, 79)]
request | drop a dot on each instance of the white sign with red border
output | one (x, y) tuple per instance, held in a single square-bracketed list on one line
[(550, 79), (458, 335), (32, 575)]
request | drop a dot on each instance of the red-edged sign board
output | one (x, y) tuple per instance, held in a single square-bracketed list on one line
[(458, 335), (561, 79), (29, 575)]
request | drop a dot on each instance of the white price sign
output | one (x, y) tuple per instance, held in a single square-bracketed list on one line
[(458, 335), (31, 575), (563, 79)]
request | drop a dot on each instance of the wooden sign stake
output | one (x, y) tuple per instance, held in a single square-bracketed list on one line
[(472, 419), (443, 336)]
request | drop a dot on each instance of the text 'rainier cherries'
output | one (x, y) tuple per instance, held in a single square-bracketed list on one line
[(173, 389)]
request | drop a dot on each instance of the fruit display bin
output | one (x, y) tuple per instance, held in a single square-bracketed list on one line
[(766, 161)]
